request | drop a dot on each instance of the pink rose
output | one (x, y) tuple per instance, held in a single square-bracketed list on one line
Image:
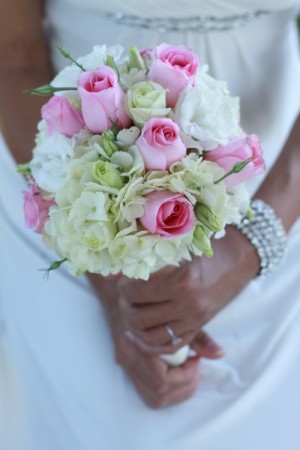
[(235, 152), (168, 214), (160, 144), (174, 68), (102, 100), (60, 116), (36, 208)]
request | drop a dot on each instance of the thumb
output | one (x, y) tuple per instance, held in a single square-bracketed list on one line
[(206, 347)]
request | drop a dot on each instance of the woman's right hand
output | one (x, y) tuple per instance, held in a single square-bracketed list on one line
[(158, 384)]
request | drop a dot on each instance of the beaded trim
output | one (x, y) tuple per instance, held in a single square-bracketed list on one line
[(199, 24), (266, 233)]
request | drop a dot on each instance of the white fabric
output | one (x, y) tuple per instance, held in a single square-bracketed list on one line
[(75, 396), (177, 8)]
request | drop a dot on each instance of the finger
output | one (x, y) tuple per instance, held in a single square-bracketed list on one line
[(205, 346), (168, 393), (155, 289), (140, 291), (186, 382), (160, 339), (147, 366), (142, 317), (185, 373), (152, 349)]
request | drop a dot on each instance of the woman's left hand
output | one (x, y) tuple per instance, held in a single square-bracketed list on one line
[(186, 298)]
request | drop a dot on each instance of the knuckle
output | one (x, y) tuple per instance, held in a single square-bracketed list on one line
[(201, 309)]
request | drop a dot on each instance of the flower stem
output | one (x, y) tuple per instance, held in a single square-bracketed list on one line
[(66, 54), (238, 167)]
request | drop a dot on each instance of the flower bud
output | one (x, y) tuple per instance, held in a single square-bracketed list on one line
[(107, 174), (202, 241), (108, 142), (206, 216), (48, 89), (24, 169), (135, 59), (110, 62)]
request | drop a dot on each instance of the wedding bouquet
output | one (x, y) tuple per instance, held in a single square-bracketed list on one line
[(139, 161)]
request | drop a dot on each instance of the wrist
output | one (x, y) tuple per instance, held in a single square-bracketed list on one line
[(245, 253), (266, 233)]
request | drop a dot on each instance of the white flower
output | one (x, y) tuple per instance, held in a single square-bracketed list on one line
[(128, 77), (79, 172), (50, 161), (98, 55), (208, 114), (42, 133), (145, 100), (85, 247), (67, 77), (89, 206), (128, 137), (98, 235)]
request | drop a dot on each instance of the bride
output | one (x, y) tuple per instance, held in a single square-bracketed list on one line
[(67, 336)]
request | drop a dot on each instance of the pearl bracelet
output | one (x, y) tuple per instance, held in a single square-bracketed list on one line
[(266, 233)]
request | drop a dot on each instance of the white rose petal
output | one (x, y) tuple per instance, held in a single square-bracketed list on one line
[(50, 161), (208, 114), (128, 137), (97, 57), (122, 159)]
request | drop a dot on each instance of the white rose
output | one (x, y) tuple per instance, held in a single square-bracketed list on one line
[(50, 161), (207, 113), (145, 100)]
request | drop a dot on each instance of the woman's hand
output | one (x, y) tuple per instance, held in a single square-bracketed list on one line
[(187, 297), (158, 384)]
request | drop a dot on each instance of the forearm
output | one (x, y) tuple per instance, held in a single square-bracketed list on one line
[(282, 186), (24, 63), (107, 293), (20, 113)]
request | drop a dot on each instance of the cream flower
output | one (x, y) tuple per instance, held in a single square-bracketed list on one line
[(208, 114), (89, 206), (145, 100)]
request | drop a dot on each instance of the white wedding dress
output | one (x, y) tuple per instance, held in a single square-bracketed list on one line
[(72, 394)]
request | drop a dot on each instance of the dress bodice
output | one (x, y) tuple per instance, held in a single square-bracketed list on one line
[(180, 8)]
